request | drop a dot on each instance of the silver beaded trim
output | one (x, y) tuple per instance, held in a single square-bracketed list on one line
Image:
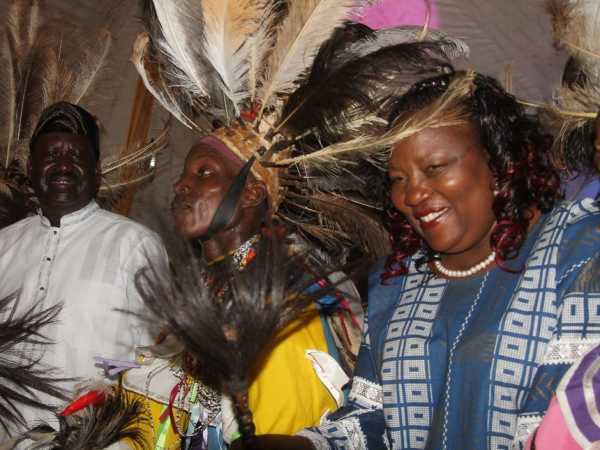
[(526, 425), (568, 350), (366, 394)]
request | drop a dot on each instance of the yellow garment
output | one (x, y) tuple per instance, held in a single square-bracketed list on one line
[(287, 395), (168, 440)]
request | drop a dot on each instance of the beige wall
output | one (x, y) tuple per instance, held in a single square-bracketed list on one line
[(499, 32)]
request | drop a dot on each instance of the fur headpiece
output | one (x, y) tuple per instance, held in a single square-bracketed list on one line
[(271, 74), (39, 67)]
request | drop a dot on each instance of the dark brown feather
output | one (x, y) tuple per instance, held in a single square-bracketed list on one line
[(119, 417), (22, 378), (345, 88)]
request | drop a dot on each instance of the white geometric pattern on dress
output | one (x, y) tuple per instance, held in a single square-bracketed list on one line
[(405, 369), (525, 330)]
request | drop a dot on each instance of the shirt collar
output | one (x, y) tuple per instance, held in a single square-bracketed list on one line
[(73, 218)]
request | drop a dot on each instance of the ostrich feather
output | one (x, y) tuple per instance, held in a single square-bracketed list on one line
[(119, 418), (23, 21), (308, 24), (577, 26), (21, 377), (228, 319), (181, 40), (139, 155), (227, 26), (22, 26), (441, 113), (155, 83), (47, 68), (89, 65), (359, 224), (261, 43), (341, 99)]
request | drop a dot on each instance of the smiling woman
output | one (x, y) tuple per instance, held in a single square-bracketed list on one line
[(473, 319), (442, 185)]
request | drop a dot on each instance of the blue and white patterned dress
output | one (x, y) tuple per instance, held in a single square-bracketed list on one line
[(472, 363)]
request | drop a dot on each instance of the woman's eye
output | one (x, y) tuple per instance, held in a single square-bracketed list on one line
[(203, 172), (434, 168), (398, 181)]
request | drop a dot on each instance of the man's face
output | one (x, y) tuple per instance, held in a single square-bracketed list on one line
[(64, 172)]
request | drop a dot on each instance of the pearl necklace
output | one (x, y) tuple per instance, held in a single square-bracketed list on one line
[(467, 272)]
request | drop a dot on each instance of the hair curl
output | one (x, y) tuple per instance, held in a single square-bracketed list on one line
[(516, 151)]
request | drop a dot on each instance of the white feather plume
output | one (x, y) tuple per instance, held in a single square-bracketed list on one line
[(261, 44), (181, 26), (309, 23), (154, 82), (227, 26)]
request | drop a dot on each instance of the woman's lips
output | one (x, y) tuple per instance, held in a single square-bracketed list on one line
[(180, 206), (431, 219)]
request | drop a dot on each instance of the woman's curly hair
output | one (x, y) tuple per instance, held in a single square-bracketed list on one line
[(518, 159)]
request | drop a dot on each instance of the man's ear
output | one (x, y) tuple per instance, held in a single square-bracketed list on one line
[(255, 193), (98, 178)]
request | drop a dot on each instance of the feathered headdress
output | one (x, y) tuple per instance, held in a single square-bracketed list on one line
[(576, 25), (270, 74), (41, 66)]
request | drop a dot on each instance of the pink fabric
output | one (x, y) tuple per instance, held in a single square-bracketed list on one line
[(217, 144), (552, 433), (393, 13)]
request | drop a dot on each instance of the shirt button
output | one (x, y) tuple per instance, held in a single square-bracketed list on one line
[(41, 288), (48, 259), (55, 232)]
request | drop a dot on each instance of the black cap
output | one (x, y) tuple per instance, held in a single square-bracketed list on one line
[(64, 117)]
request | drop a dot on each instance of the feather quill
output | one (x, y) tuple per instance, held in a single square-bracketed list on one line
[(308, 24)]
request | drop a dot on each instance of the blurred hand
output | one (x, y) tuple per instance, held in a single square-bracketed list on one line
[(597, 144), (277, 442)]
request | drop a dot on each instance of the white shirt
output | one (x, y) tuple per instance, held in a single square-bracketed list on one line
[(89, 264)]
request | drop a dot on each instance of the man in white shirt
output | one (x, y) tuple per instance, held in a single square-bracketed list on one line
[(75, 253)]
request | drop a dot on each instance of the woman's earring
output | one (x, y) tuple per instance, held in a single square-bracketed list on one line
[(496, 189)]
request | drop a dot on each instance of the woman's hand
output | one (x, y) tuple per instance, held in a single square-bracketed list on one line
[(597, 144), (277, 442)]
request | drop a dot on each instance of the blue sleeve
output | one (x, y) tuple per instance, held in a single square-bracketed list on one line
[(577, 328), (360, 424)]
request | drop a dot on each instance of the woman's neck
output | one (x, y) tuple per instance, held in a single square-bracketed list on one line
[(225, 243), (468, 259)]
